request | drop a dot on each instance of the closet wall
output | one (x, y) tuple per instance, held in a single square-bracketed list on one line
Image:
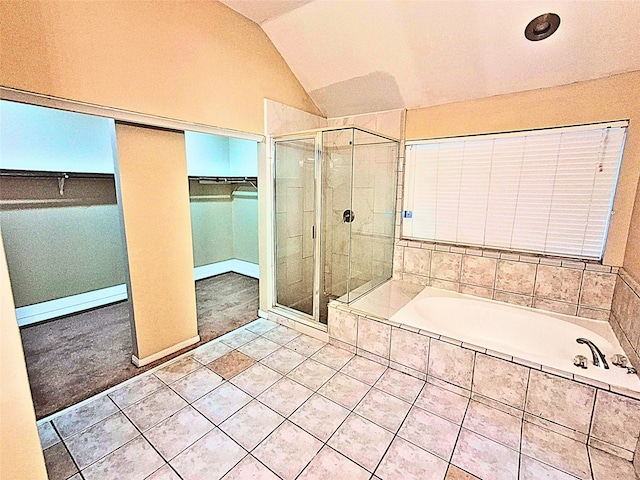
[(60, 240)]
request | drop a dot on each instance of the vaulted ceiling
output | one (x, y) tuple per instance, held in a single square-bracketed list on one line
[(360, 56)]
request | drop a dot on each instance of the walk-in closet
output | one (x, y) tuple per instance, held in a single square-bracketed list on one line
[(64, 238)]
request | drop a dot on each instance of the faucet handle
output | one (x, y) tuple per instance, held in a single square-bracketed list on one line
[(619, 360), (580, 361)]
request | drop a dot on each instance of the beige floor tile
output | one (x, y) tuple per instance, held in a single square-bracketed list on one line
[(231, 364), (136, 390), (59, 463), (312, 374), (182, 429), (442, 402), (556, 450), (609, 467), (251, 424), (261, 326), (281, 335), (320, 416), (164, 473), (287, 450), (196, 384), (178, 369), (485, 458), (211, 457), (134, 461), (238, 337), (330, 464), (344, 390), (405, 461), (256, 379), (493, 424), (259, 348), (532, 469), (332, 356), (455, 473), (210, 351), (362, 441), (153, 409), (222, 402), (400, 385), (283, 360), (430, 432), (79, 418), (383, 409), (285, 396), (305, 345), (48, 435), (365, 370), (100, 439), (250, 468)]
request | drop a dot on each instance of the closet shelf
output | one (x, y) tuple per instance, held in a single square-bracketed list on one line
[(43, 174)]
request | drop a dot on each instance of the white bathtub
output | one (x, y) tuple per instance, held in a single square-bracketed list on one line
[(543, 338)]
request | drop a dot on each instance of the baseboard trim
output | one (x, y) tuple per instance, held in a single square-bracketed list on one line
[(226, 266), (68, 305), (59, 307), (141, 362)]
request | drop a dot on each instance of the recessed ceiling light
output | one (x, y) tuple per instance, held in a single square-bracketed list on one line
[(542, 27)]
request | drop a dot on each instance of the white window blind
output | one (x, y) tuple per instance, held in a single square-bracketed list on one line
[(544, 191)]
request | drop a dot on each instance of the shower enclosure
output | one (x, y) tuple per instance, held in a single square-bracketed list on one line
[(335, 194)]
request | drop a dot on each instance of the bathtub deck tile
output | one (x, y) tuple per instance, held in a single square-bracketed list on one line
[(556, 450)]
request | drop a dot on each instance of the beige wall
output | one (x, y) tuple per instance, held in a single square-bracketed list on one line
[(632, 256), (154, 194), (197, 61), (20, 452), (612, 98)]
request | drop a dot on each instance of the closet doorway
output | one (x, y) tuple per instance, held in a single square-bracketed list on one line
[(62, 231)]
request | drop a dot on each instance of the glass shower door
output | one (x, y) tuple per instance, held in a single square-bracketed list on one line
[(295, 216)]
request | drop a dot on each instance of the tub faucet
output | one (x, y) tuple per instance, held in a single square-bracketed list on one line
[(598, 356)]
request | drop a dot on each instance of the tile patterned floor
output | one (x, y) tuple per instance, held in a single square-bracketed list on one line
[(265, 402)]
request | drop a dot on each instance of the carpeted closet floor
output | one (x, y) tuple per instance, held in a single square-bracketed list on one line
[(73, 358)]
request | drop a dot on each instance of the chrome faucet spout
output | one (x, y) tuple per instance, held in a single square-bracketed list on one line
[(598, 356)]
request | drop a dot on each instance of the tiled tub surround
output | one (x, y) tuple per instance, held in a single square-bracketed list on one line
[(565, 412), (625, 316), (541, 337), (265, 402), (562, 286)]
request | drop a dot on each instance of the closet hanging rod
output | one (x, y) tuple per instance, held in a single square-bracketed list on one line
[(43, 174), (226, 180)]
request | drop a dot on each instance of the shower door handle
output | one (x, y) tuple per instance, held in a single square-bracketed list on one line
[(348, 216)]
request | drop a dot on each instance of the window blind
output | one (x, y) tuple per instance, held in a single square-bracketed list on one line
[(544, 191)]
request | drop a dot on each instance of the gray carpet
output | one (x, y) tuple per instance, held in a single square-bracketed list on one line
[(72, 358)]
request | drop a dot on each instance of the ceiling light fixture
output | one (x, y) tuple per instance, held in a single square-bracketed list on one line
[(542, 27)]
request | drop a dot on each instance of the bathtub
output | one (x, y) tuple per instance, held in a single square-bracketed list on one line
[(536, 336)]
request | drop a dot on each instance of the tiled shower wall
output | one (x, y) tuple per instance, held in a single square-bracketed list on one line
[(562, 286), (625, 316)]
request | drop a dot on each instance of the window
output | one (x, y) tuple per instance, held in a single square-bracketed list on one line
[(543, 191)]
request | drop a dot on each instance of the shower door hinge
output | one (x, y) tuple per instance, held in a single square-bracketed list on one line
[(313, 231)]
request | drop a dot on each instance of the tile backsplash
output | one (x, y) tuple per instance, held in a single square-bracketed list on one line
[(562, 286), (625, 316)]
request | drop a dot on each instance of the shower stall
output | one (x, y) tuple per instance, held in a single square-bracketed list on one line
[(334, 217)]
